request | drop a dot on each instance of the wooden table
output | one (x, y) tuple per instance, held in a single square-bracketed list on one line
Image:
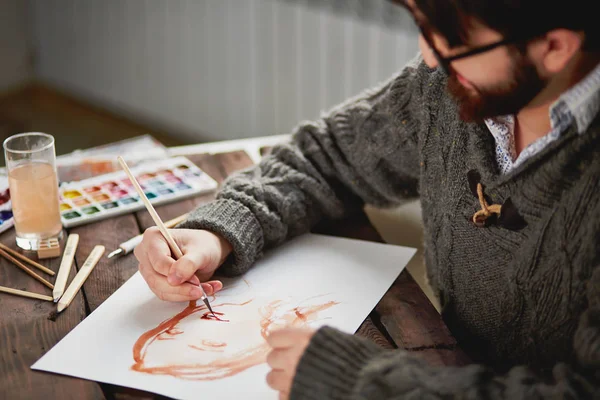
[(404, 318)]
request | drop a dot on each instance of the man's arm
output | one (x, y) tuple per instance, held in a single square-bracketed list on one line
[(363, 151), (336, 365)]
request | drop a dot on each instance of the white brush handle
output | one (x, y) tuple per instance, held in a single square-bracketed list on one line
[(131, 244), (65, 266)]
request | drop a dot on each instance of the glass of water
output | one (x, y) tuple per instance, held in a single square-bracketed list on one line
[(33, 183)]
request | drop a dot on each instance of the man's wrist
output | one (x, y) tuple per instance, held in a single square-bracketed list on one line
[(225, 246)]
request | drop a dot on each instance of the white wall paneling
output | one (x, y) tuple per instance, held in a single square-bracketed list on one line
[(214, 69)]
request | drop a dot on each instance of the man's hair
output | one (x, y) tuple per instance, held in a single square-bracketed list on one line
[(519, 19)]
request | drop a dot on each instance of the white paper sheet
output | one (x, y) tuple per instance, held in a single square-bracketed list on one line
[(312, 280)]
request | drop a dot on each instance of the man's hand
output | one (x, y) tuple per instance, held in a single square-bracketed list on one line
[(203, 252), (287, 347)]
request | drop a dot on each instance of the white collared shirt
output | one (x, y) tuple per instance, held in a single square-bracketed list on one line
[(580, 104)]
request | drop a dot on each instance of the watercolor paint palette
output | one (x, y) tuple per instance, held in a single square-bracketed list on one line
[(7, 219), (113, 194)]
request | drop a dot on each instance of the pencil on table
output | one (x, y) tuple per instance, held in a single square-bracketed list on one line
[(80, 278), (27, 270), (24, 293), (27, 260)]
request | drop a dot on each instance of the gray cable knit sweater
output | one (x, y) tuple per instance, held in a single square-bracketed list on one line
[(521, 293)]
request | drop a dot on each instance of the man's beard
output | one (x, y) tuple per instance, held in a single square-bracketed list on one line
[(504, 99)]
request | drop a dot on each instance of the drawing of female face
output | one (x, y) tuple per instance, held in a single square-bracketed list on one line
[(196, 345)]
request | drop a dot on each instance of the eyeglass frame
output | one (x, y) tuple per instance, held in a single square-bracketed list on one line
[(444, 62)]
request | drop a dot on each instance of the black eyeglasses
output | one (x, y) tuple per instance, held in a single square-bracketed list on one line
[(444, 62)]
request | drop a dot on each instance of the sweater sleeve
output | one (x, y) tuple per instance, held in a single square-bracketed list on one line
[(361, 152), (336, 365)]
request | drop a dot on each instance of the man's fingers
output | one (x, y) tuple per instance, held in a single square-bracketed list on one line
[(164, 291), (154, 251), (165, 275), (194, 280), (161, 263), (184, 292), (280, 359), (286, 337), (208, 289), (177, 297), (279, 380), (204, 273), (184, 268), (216, 285), (211, 287)]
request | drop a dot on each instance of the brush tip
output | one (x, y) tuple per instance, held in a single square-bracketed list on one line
[(205, 300)]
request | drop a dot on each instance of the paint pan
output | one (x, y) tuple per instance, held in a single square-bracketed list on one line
[(92, 189), (113, 194), (71, 194), (82, 201)]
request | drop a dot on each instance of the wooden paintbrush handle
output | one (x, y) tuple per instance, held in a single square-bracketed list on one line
[(27, 260), (27, 270), (23, 293)]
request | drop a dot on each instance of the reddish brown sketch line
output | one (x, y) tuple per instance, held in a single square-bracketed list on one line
[(228, 365)]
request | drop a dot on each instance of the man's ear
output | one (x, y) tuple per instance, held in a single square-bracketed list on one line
[(560, 45)]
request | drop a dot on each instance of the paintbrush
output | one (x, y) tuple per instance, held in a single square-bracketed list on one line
[(177, 253)]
